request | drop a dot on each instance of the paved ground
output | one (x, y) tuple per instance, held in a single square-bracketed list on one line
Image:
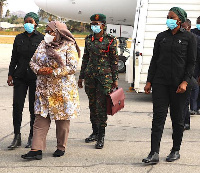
[(127, 138)]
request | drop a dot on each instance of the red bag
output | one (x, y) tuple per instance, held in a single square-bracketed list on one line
[(115, 101)]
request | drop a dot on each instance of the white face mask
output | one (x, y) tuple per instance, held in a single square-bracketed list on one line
[(48, 38)]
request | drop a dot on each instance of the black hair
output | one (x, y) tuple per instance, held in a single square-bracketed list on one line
[(198, 18), (188, 21)]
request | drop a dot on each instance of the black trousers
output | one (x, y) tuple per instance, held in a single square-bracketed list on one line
[(186, 112), (19, 94), (163, 97)]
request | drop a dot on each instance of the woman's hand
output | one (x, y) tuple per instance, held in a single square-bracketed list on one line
[(114, 84), (10, 81), (80, 83), (147, 88), (45, 71), (182, 87)]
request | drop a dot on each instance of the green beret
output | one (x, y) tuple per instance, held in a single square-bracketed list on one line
[(180, 13), (32, 15), (98, 17)]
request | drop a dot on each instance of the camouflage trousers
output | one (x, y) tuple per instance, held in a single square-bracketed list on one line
[(97, 92)]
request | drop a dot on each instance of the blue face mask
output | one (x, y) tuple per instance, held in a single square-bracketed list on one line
[(29, 27), (96, 29), (171, 24), (198, 26)]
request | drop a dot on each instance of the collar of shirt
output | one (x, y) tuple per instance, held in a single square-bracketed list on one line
[(180, 30)]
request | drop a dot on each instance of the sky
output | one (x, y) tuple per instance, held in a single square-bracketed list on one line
[(20, 5)]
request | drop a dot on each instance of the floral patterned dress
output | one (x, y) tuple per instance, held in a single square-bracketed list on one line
[(56, 94)]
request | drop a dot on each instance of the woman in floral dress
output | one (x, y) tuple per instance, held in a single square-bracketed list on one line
[(56, 98)]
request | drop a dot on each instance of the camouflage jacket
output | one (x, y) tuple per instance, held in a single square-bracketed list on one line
[(100, 59)]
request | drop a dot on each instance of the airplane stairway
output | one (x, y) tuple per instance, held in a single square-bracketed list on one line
[(151, 21)]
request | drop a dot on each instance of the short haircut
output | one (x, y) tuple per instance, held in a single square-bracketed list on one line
[(188, 21), (198, 18)]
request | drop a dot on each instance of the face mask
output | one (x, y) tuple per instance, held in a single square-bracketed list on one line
[(171, 23), (96, 29), (198, 26), (29, 27), (48, 38)]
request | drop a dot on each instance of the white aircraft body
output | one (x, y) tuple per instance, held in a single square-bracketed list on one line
[(117, 11)]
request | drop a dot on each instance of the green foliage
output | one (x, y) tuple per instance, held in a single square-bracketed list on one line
[(2, 3), (13, 20), (45, 15), (78, 27), (18, 21), (41, 29), (81, 33), (73, 26), (7, 13)]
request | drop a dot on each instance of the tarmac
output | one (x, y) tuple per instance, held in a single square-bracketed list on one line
[(127, 139)]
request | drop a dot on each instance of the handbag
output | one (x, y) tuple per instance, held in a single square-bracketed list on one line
[(115, 101)]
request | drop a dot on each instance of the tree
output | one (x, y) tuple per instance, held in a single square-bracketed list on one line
[(42, 14), (7, 13), (18, 21), (73, 26), (2, 3), (45, 15), (79, 27), (12, 19)]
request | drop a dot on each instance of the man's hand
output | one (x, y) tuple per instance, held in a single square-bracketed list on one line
[(182, 87), (114, 84), (80, 83), (147, 88), (10, 81), (45, 71)]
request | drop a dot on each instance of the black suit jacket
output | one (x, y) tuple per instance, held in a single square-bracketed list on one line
[(173, 59), (23, 50)]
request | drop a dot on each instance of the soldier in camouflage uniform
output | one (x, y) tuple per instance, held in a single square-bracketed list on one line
[(100, 73)]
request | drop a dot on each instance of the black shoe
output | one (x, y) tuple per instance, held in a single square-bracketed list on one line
[(33, 155), (100, 143), (29, 143), (93, 137), (186, 127), (174, 155), (16, 142), (153, 158), (58, 153), (192, 112)]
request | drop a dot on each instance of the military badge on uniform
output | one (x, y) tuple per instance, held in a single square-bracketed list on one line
[(96, 17)]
